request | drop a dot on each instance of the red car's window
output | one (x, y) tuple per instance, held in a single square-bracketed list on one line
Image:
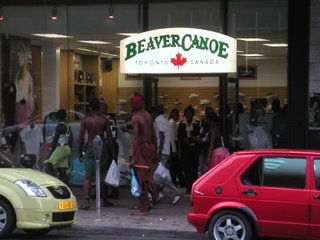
[(316, 167), (282, 172)]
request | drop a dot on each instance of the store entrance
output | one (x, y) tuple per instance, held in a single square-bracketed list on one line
[(229, 112), (228, 105)]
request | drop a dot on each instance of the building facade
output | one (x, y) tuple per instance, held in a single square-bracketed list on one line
[(277, 59)]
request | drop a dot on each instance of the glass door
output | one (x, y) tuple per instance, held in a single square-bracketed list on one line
[(150, 92), (230, 121)]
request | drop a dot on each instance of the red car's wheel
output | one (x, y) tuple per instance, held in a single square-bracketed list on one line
[(230, 225)]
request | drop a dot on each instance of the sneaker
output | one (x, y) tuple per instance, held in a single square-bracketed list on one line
[(176, 199), (161, 195)]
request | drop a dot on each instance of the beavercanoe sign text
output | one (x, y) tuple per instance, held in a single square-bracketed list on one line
[(178, 50)]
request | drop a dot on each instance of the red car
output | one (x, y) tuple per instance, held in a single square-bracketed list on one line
[(259, 193)]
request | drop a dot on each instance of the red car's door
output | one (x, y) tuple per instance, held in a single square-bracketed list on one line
[(315, 201), (274, 188)]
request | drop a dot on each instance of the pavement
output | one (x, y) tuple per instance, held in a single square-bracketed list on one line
[(164, 220)]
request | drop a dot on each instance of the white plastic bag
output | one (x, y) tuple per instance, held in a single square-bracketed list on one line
[(259, 139), (162, 174), (113, 175)]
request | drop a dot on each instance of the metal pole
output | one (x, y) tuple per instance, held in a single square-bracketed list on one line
[(97, 150), (223, 91)]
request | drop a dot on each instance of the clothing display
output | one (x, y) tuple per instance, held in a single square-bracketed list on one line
[(32, 139)]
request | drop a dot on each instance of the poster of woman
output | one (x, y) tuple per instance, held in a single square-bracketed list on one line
[(21, 76)]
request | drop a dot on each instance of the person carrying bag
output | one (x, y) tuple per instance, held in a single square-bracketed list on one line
[(58, 162), (217, 150), (218, 155)]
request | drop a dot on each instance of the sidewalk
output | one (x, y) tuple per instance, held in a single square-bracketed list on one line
[(164, 220)]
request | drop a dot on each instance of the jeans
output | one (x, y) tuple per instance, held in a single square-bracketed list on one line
[(164, 159)]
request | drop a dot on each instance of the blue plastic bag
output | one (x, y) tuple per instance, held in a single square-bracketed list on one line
[(135, 188), (76, 172)]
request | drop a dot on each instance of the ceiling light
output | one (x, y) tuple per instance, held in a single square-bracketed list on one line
[(1, 14), (111, 13), (93, 42), (127, 34), (253, 39), (54, 13), (51, 35), (109, 54), (87, 50), (276, 44), (251, 55)]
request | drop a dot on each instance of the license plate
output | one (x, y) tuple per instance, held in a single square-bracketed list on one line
[(66, 204)]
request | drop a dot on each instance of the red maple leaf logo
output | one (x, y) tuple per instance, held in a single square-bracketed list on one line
[(179, 60)]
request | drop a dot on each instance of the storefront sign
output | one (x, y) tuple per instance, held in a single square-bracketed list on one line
[(178, 50)]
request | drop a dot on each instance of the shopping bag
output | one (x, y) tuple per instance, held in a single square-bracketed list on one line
[(217, 156), (162, 174), (76, 172), (113, 175), (135, 187), (258, 138)]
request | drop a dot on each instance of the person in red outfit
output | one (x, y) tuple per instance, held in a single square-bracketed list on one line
[(143, 151)]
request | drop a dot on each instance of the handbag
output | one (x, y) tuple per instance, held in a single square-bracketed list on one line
[(218, 154), (64, 138), (161, 174), (113, 175), (135, 187)]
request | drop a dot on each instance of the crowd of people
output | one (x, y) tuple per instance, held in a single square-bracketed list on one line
[(172, 142), (185, 146)]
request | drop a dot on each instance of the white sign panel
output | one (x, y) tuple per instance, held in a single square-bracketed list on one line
[(178, 50)]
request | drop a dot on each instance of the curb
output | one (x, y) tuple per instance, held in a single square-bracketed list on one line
[(134, 232)]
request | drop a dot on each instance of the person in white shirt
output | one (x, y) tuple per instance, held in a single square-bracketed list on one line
[(161, 125)]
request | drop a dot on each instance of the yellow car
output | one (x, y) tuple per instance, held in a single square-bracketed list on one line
[(32, 201)]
